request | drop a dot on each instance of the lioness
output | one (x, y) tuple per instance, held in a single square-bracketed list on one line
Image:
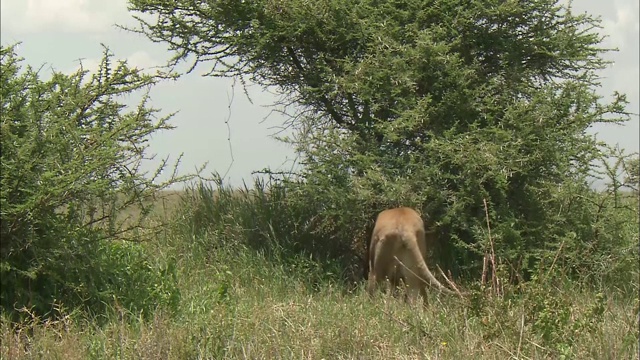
[(398, 251)]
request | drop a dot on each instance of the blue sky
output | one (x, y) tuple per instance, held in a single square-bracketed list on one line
[(60, 32)]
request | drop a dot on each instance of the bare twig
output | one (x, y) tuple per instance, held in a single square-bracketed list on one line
[(449, 281), (520, 339), (554, 259), (485, 261), (495, 283), (226, 121), (502, 347)]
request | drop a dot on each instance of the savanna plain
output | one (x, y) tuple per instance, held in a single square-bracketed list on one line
[(232, 300)]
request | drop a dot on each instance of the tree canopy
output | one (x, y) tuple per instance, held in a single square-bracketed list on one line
[(437, 104)]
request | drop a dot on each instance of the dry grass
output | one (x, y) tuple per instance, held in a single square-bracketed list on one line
[(237, 304), (260, 311)]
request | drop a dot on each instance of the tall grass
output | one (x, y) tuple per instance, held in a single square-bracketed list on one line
[(245, 294)]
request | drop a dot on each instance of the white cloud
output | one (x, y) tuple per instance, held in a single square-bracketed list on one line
[(142, 60), (68, 16), (620, 20), (627, 15), (620, 29)]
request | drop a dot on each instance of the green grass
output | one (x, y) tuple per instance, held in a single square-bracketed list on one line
[(240, 303)]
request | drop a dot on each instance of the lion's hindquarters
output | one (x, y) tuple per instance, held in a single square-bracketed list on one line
[(398, 253), (410, 263)]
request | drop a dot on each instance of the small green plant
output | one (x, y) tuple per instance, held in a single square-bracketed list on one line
[(555, 317)]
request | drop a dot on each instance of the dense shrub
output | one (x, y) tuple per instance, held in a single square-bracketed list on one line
[(72, 190)]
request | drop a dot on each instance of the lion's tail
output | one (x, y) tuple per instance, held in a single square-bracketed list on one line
[(421, 269)]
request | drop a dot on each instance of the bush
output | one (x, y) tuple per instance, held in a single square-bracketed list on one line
[(217, 216), (73, 192)]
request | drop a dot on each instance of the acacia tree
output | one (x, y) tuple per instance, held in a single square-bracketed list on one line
[(72, 186), (441, 105)]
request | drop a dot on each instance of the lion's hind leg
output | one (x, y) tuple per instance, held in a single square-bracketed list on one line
[(383, 271)]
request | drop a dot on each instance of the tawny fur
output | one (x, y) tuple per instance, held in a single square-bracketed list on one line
[(399, 233)]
